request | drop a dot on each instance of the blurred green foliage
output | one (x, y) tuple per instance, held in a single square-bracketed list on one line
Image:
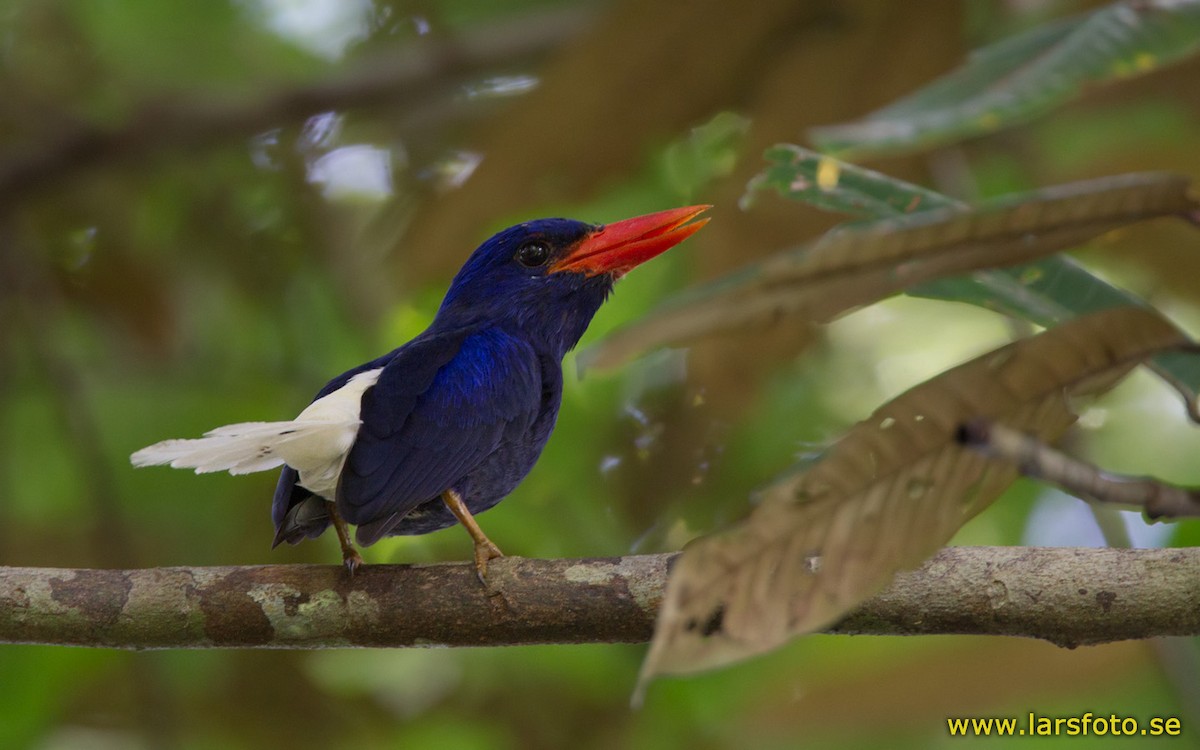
[(174, 285)]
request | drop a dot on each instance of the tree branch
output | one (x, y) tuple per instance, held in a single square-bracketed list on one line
[(1069, 596)]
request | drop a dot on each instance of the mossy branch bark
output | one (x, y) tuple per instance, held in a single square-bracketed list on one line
[(1068, 596)]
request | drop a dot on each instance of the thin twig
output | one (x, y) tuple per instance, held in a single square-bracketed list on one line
[(1041, 461)]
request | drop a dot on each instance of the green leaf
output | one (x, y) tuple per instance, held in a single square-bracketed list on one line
[(708, 152), (1025, 77), (1046, 291), (834, 185)]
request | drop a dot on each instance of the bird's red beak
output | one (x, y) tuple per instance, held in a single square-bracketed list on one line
[(618, 247)]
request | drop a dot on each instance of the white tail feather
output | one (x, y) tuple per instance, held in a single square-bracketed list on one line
[(315, 443), (252, 446)]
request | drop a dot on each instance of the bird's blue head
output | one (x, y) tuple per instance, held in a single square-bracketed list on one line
[(545, 279)]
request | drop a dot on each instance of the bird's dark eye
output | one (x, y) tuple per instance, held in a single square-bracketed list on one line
[(533, 254)]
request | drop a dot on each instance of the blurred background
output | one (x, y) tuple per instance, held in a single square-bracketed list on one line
[(208, 209)]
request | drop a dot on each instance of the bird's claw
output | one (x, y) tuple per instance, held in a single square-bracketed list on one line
[(485, 551), (352, 560)]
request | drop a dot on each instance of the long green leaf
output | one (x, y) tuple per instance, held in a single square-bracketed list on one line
[(1047, 291), (1025, 77)]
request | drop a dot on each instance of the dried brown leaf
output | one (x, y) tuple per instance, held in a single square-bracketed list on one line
[(887, 496)]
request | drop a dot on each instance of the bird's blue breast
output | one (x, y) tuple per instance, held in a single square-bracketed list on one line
[(494, 377), (526, 423), (465, 409)]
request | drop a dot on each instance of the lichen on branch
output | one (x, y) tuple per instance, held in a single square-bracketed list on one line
[(1068, 596)]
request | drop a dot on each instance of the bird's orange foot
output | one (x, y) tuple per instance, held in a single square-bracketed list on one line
[(485, 551), (350, 557)]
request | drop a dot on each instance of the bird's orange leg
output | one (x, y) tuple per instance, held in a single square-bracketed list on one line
[(485, 550), (350, 557)]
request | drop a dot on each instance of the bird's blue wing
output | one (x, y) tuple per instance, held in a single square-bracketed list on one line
[(439, 408)]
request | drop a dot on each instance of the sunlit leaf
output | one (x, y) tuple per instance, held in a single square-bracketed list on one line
[(803, 175), (1025, 76), (854, 265), (888, 495), (793, 172)]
